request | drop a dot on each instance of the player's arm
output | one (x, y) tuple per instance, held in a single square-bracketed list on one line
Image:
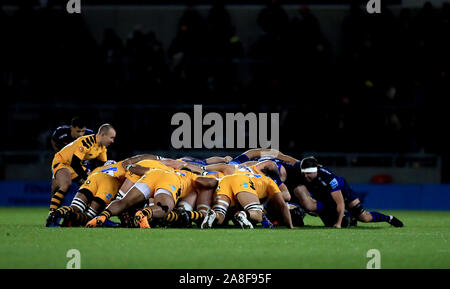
[(103, 157), (223, 168), (136, 169), (340, 206), (78, 167), (218, 160), (285, 192), (53, 140), (283, 209), (247, 164), (276, 197), (175, 164), (287, 159), (138, 158)]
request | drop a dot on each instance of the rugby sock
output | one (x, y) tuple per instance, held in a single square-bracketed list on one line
[(57, 200), (196, 216), (379, 217), (91, 213), (81, 218), (61, 211), (148, 212), (172, 217), (320, 207), (107, 213)]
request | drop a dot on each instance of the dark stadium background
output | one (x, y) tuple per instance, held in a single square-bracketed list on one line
[(365, 93)]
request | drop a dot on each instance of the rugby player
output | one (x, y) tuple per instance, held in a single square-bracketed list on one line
[(65, 134), (164, 186), (251, 166), (331, 196), (100, 188), (246, 187), (146, 163), (67, 163)]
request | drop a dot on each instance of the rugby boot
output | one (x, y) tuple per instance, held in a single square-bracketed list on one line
[(395, 222), (208, 220), (141, 220), (96, 222), (241, 218)]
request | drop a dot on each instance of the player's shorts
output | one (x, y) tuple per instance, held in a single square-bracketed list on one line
[(58, 163), (156, 179), (102, 186), (231, 185)]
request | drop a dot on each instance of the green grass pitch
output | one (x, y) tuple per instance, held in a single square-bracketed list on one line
[(424, 242)]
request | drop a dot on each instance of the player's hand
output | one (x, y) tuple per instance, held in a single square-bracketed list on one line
[(228, 159)]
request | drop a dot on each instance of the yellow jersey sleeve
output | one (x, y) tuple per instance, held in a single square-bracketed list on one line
[(103, 156), (272, 187)]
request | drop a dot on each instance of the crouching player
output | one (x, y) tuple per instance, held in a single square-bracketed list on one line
[(164, 186), (67, 164), (246, 189), (331, 196), (97, 192)]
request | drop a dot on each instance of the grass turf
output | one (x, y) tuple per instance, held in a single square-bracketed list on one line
[(424, 242)]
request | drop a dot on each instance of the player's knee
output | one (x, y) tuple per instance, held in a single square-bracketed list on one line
[(65, 185), (308, 206)]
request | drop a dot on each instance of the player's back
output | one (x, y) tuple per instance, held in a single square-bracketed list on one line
[(116, 170), (153, 164), (62, 136), (84, 147), (187, 180), (263, 185)]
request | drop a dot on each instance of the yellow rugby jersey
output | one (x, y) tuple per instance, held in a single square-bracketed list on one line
[(187, 180), (260, 183), (115, 170), (248, 170), (85, 148), (151, 164)]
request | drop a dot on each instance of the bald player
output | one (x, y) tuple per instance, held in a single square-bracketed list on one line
[(67, 164)]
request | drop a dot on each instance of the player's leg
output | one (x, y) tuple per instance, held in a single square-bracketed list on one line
[(305, 200), (252, 209), (60, 186), (126, 186), (180, 216), (135, 195), (74, 215), (204, 199), (217, 214), (356, 209), (163, 205)]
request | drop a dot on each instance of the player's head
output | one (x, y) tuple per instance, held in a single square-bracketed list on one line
[(270, 169), (309, 167), (77, 127), (106, 134)]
